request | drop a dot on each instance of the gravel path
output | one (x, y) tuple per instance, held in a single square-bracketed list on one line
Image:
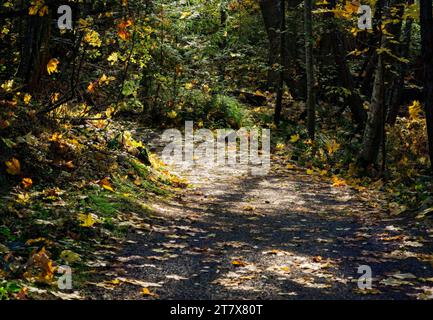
[(287, 235)]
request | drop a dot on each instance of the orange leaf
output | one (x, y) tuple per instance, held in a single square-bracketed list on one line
[(13, 167), (27, 183), (52, 65), (147, 292), (91, 87), (338, 182), (123, 33), (239, 263), (105, 183)]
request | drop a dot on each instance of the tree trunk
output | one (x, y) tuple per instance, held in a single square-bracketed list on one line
[(396, 94), (35, 51), (279, 103), (373, 133), (374, 130), (311, 105), (354, 101), (271, 12), (426, 21), (223, 43)]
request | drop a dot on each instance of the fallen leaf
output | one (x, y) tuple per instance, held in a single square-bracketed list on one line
[(87, 220), (105, 183), (69, 256), (239, 263), (147, 292)]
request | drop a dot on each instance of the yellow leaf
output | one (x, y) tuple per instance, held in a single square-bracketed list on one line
[(39, 240), (27, 98), (56, 137), (332, 146), (147, 292), (280, 147), (184, 15), (43, 261), (13, 167), (249, 208), (92, 38), (55, 97), (22, 198), (172, 114), (105, 183), (87, 220), (338, 182), (352, 8), (310, 171), (189, 86), (295, 138), (43, 11), (8, 85), (70, 256), (52, 65), (113, 58), (415, 110), (33, 10), (138, 182), (105, 80), (239, 263)]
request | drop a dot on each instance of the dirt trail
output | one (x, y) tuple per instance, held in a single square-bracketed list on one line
[(286, 235)]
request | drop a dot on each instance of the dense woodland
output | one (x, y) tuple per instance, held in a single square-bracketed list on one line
[(349, 107)]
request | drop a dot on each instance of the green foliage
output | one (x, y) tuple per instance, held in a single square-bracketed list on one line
[(8, 289), (228, 111)]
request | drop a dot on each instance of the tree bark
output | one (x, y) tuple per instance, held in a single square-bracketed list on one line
[(426, 21), (311, 104), (279, 102), (374, 129), (396, 94), (271, 12), (354, 101), (35, 51), (373, 133)]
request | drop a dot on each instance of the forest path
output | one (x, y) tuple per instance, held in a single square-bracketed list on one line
[(286, 235)]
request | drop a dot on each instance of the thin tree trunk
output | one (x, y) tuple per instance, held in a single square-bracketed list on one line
[(354, 101), (271, 12), (426, 21), (35, 50), (279, 103), (311, 105), (272, 18), (396, 93), (223, 43), (374, 131)]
